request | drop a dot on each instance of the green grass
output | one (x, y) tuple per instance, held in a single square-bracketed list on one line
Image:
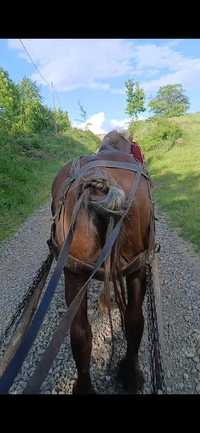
[(176, 175), (28, 166)]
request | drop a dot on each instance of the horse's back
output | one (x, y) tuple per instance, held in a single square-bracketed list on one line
[(135, 231)]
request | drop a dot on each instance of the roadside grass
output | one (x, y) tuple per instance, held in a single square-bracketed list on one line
[(176, 175), (28, 166)]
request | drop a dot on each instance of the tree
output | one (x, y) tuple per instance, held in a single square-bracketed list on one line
[(170, 101), (29, 91), (62, 120), (22, 110), (9, 100), (135, 98), (47, 119), (31, 109)]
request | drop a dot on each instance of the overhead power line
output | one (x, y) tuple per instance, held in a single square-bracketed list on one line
[(33, 63), (50, 85)]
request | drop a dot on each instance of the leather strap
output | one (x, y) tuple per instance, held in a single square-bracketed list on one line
[(49, 355), (65, 324), (131, 166), (16, 362)]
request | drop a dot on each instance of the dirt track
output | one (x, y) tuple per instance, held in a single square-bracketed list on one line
[(180, 280)]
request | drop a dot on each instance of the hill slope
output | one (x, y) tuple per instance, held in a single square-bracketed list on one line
[(176, 173), (27, 168)]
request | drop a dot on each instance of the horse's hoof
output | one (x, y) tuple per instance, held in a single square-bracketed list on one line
[(79, 389), (131, 378)]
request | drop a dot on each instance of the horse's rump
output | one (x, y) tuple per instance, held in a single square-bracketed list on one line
[(90, 198), (105, 193)]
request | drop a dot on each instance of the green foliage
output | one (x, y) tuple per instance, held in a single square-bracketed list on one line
[(175, 173), (62, 121), (22, 111), (164, 134), (158, 134), (170, 101), (28, 165), (9, 101), (29, 91), (135, 98), (34, 143), (34, 117)]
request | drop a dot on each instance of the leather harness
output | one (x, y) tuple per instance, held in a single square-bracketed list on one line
[(77, 172), (64, 326)]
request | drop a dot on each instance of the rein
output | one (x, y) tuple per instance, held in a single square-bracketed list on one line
[(65, 324), (38, 377)]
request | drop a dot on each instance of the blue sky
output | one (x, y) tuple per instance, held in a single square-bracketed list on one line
[(93, 71)]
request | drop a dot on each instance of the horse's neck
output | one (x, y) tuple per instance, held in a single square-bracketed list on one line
[(108, 150)]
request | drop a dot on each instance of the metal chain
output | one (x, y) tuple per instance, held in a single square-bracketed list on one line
[(18, 312), (156, 366)]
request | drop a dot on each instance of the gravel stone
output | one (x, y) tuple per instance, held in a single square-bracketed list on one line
[(179, 267)]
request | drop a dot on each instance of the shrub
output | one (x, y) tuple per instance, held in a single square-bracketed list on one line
[(165, 133), (156, 134)]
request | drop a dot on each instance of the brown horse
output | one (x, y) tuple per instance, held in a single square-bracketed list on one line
[(104, 192)]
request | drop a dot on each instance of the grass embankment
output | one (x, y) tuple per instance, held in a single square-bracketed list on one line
[(175, 169), (27, 168)]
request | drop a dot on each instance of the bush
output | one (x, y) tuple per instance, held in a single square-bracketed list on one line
[(156, 134), (165, 133)]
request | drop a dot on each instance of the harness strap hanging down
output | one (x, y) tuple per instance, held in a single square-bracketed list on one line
[(65, 324), (19, 357)]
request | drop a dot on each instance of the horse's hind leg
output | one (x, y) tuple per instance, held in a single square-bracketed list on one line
[(129, 372), (81, 334)]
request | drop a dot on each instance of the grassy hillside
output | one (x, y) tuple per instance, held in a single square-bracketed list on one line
[(175, 169), (27, 168)]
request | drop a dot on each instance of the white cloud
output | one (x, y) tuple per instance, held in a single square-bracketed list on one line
[(156, 56), (172, 66), (94, 123), (99, 124), (119, 124), (187, 75), (174, 42), (76, 63), (93, 63)]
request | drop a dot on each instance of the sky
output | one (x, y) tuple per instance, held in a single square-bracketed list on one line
[(93, 72)]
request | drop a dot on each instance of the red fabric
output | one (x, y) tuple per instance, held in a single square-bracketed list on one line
[(137, 152)]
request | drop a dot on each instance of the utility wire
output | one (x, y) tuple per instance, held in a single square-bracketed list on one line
[(50, 85), (32, 61)]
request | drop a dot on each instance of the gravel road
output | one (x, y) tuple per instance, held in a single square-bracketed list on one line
[(179, 277)]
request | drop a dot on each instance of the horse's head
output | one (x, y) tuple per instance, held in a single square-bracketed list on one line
[(115, 141)]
